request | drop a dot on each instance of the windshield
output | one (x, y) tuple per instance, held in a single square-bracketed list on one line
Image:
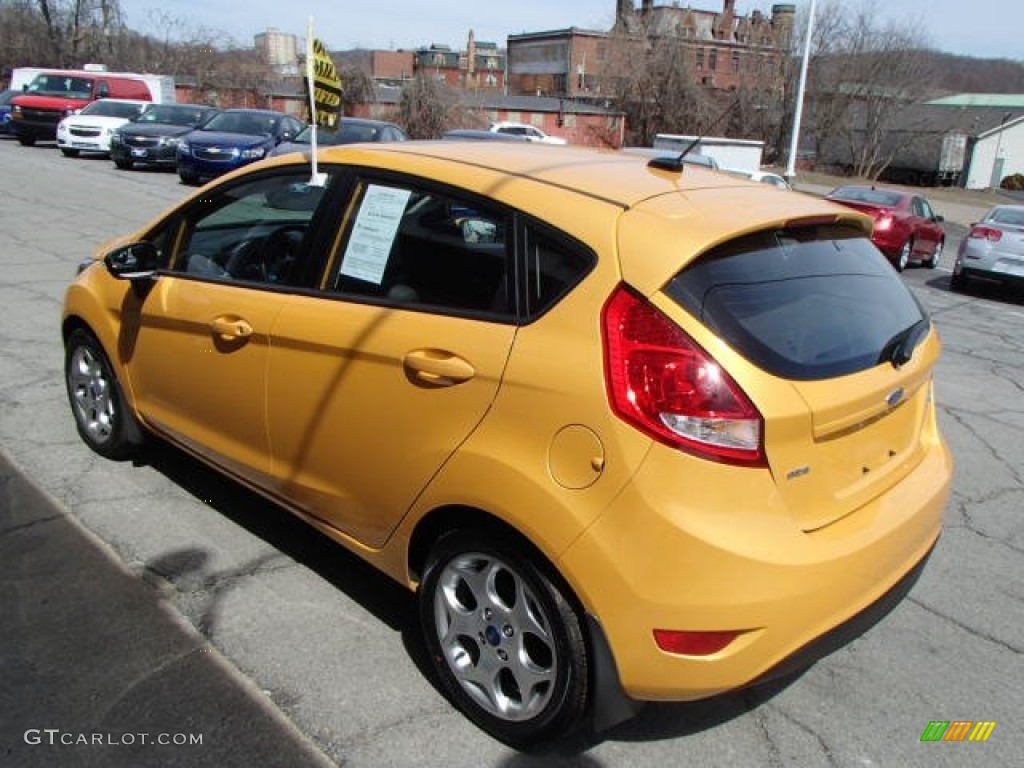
[(250, 123), (867, 195), (104, 108), (173, 114), (350, 133), (61, 85)]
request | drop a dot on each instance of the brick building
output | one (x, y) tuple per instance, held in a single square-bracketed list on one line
[(724, 50), (480, 66)]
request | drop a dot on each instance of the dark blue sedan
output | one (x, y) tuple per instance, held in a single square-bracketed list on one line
[(6, 128), (234, 138)]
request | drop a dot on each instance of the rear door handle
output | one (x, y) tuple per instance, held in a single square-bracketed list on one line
[(230, 327), (437, 367)]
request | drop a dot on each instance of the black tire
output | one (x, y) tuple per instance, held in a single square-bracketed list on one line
[(124, 165), (958, 282), (27, 141), (903, 258), (102, 417), (69, 152), (188, 178), (485, 646), (933, 261)]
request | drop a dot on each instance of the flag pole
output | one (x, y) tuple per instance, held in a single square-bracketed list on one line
[(318, 179)]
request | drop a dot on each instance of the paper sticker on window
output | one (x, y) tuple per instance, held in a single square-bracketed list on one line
[(374, 233)]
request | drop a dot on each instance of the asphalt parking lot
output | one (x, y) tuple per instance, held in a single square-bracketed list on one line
[(159, 598)]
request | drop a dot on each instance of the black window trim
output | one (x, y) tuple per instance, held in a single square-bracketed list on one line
[(326, 240)]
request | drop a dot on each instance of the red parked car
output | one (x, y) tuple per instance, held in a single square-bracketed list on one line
[(906, 227)]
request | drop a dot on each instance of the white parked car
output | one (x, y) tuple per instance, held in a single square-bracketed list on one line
[(528, 132), (90, 129), (763, 176)]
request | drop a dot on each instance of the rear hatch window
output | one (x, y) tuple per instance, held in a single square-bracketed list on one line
[(807, 303)]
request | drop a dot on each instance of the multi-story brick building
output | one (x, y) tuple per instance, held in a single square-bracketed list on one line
[(480, 66), (723, 50)]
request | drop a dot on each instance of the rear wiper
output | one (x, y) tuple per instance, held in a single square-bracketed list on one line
[(900, 348)]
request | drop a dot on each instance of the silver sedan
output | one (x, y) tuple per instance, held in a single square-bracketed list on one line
[(993, 248)]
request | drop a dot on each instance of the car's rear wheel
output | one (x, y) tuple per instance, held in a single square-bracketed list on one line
[(187, 177), (101, 415), (124, 165), (504, 638), (958, 282), (27, 141), (904, 258), (933, 262), (69, 152)]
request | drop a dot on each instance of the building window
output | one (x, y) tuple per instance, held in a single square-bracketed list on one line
[(700, 59), (713, 60), (735, 61)]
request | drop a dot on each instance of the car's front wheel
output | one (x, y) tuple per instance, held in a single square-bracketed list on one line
[(101, 414), (504, 637), (69, 152), (187, 177), (124, 165)]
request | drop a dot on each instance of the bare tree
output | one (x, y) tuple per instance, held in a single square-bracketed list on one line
[(427, 107), (80, 30), (653, 84), (357, 88), (864, 74)]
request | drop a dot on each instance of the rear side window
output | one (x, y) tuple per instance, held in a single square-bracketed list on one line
[(805, 303), (553, 266), (424, 248)]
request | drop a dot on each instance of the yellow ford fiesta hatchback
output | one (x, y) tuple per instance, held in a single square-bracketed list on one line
[(631, 433)]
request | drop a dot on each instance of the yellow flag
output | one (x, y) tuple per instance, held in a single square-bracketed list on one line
[(324, 83)]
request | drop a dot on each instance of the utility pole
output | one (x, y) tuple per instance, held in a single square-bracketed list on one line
[(795, 139)]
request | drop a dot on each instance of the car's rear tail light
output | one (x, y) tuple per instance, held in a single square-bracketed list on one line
[(883, 222), (693, 643), (662, 382), (981, 232)]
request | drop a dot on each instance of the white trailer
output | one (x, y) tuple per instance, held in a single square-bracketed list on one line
[(730, 154)]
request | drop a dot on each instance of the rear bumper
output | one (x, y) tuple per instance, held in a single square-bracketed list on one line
[(735, 561)]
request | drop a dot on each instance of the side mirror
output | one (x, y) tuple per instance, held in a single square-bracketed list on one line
[(136, 261)]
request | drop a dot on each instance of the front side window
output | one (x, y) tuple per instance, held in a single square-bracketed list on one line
[(423, 248), (251, 232)]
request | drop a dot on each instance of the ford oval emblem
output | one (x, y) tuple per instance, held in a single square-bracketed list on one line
[(895, 398)]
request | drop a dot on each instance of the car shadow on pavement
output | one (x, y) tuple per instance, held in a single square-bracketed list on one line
[(981, 289), (289, 535), (396, 607)]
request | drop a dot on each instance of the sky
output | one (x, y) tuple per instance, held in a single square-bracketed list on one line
[(979, 28)]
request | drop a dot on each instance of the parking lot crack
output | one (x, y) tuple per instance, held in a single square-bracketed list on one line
[(968, 629), (826, 750)]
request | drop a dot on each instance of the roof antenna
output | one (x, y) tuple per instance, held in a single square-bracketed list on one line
[(675, 164)]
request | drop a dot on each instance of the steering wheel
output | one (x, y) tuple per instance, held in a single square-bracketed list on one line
[(244, 261), (279, 251)]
